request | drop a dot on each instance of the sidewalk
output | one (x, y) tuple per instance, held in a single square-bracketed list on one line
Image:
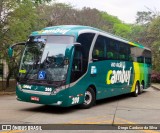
[(7, 93), (155, 86), (9, 90)]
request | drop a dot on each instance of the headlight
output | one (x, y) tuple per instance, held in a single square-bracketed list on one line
[(55, 91), (19, 86)]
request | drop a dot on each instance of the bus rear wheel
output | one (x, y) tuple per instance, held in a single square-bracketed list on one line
[(137, 89), (89, 99), (141, 88)]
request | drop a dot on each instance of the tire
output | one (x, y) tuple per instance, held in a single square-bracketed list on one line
[(89, 99), (141, 88), (137, 90)]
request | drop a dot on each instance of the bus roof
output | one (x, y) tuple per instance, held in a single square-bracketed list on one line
[(75, 30)]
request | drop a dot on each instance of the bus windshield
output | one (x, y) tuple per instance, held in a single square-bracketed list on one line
[(44, 58)]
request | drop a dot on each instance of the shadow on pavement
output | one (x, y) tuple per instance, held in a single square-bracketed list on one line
[(64, 110)]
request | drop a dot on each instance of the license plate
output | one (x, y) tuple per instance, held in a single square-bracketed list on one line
[(35, 98)]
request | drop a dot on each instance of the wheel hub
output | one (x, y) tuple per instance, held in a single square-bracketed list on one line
[(88, 98)]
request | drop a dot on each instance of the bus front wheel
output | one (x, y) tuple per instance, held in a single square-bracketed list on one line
[(89, 99)]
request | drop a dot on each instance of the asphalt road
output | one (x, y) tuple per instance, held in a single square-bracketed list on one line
[(125, 109)]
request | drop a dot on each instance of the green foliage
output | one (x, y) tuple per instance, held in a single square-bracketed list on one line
[(41, 1), (109, 18), (154, 36), (109, 22), (25, 16), (19, 21), (154, 29), (122, 30), (22, 22), (116, 26), (36, 1)]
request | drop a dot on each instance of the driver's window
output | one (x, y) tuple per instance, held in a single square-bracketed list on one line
[(77, 67), (77, 61)]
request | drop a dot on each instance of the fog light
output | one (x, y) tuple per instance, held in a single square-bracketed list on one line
[(59, 102)]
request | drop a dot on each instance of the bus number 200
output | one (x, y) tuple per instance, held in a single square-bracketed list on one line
[(75, 100)]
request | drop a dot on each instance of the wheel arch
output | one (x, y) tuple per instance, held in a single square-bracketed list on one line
[(143, 83), (94, 88), (138, 82)]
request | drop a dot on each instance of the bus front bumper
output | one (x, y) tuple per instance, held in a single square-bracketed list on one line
[(55, 100)]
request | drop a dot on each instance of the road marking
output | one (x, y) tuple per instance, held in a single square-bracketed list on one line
[(92, 120), (103, 120)]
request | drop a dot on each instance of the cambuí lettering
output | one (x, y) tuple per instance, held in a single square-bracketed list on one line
[(62, 31), (118, 76)]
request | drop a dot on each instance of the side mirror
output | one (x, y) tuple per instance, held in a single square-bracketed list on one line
[(10, 52), (77, 44)]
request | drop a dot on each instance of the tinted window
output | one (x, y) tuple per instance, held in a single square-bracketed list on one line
[(107, 48), (140, 59), (112, 49), (86, 40), (99, 51), (148, 60), (124, 52), (147, 55), (81, 54), (141, 55)]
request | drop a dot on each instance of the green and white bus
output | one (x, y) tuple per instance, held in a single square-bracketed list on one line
[(70, 65)]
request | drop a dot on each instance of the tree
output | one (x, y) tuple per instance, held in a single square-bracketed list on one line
[(122, 30), (109, 21), (144, 17), (154, 37), (21, 18), (6, 8), (37, 2), (41, 1), (56, 14), (64, 14)]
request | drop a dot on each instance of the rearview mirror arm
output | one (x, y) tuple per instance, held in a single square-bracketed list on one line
[(14, 45)]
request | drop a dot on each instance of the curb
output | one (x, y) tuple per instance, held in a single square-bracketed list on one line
[(154, 87), (7, 93)]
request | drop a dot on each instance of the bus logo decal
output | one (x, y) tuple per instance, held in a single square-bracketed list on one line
[(58, 30), (118, 76), (93, 70), (27, 86)]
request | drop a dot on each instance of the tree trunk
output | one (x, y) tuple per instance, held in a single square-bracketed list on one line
[(8, 78)]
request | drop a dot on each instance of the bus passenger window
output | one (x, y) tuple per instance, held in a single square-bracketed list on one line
[(124, 52), (148, 60), (140, 59), (98, 51), (112, 51)]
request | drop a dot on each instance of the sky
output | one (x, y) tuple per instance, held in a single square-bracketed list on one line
[(125, 10)]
